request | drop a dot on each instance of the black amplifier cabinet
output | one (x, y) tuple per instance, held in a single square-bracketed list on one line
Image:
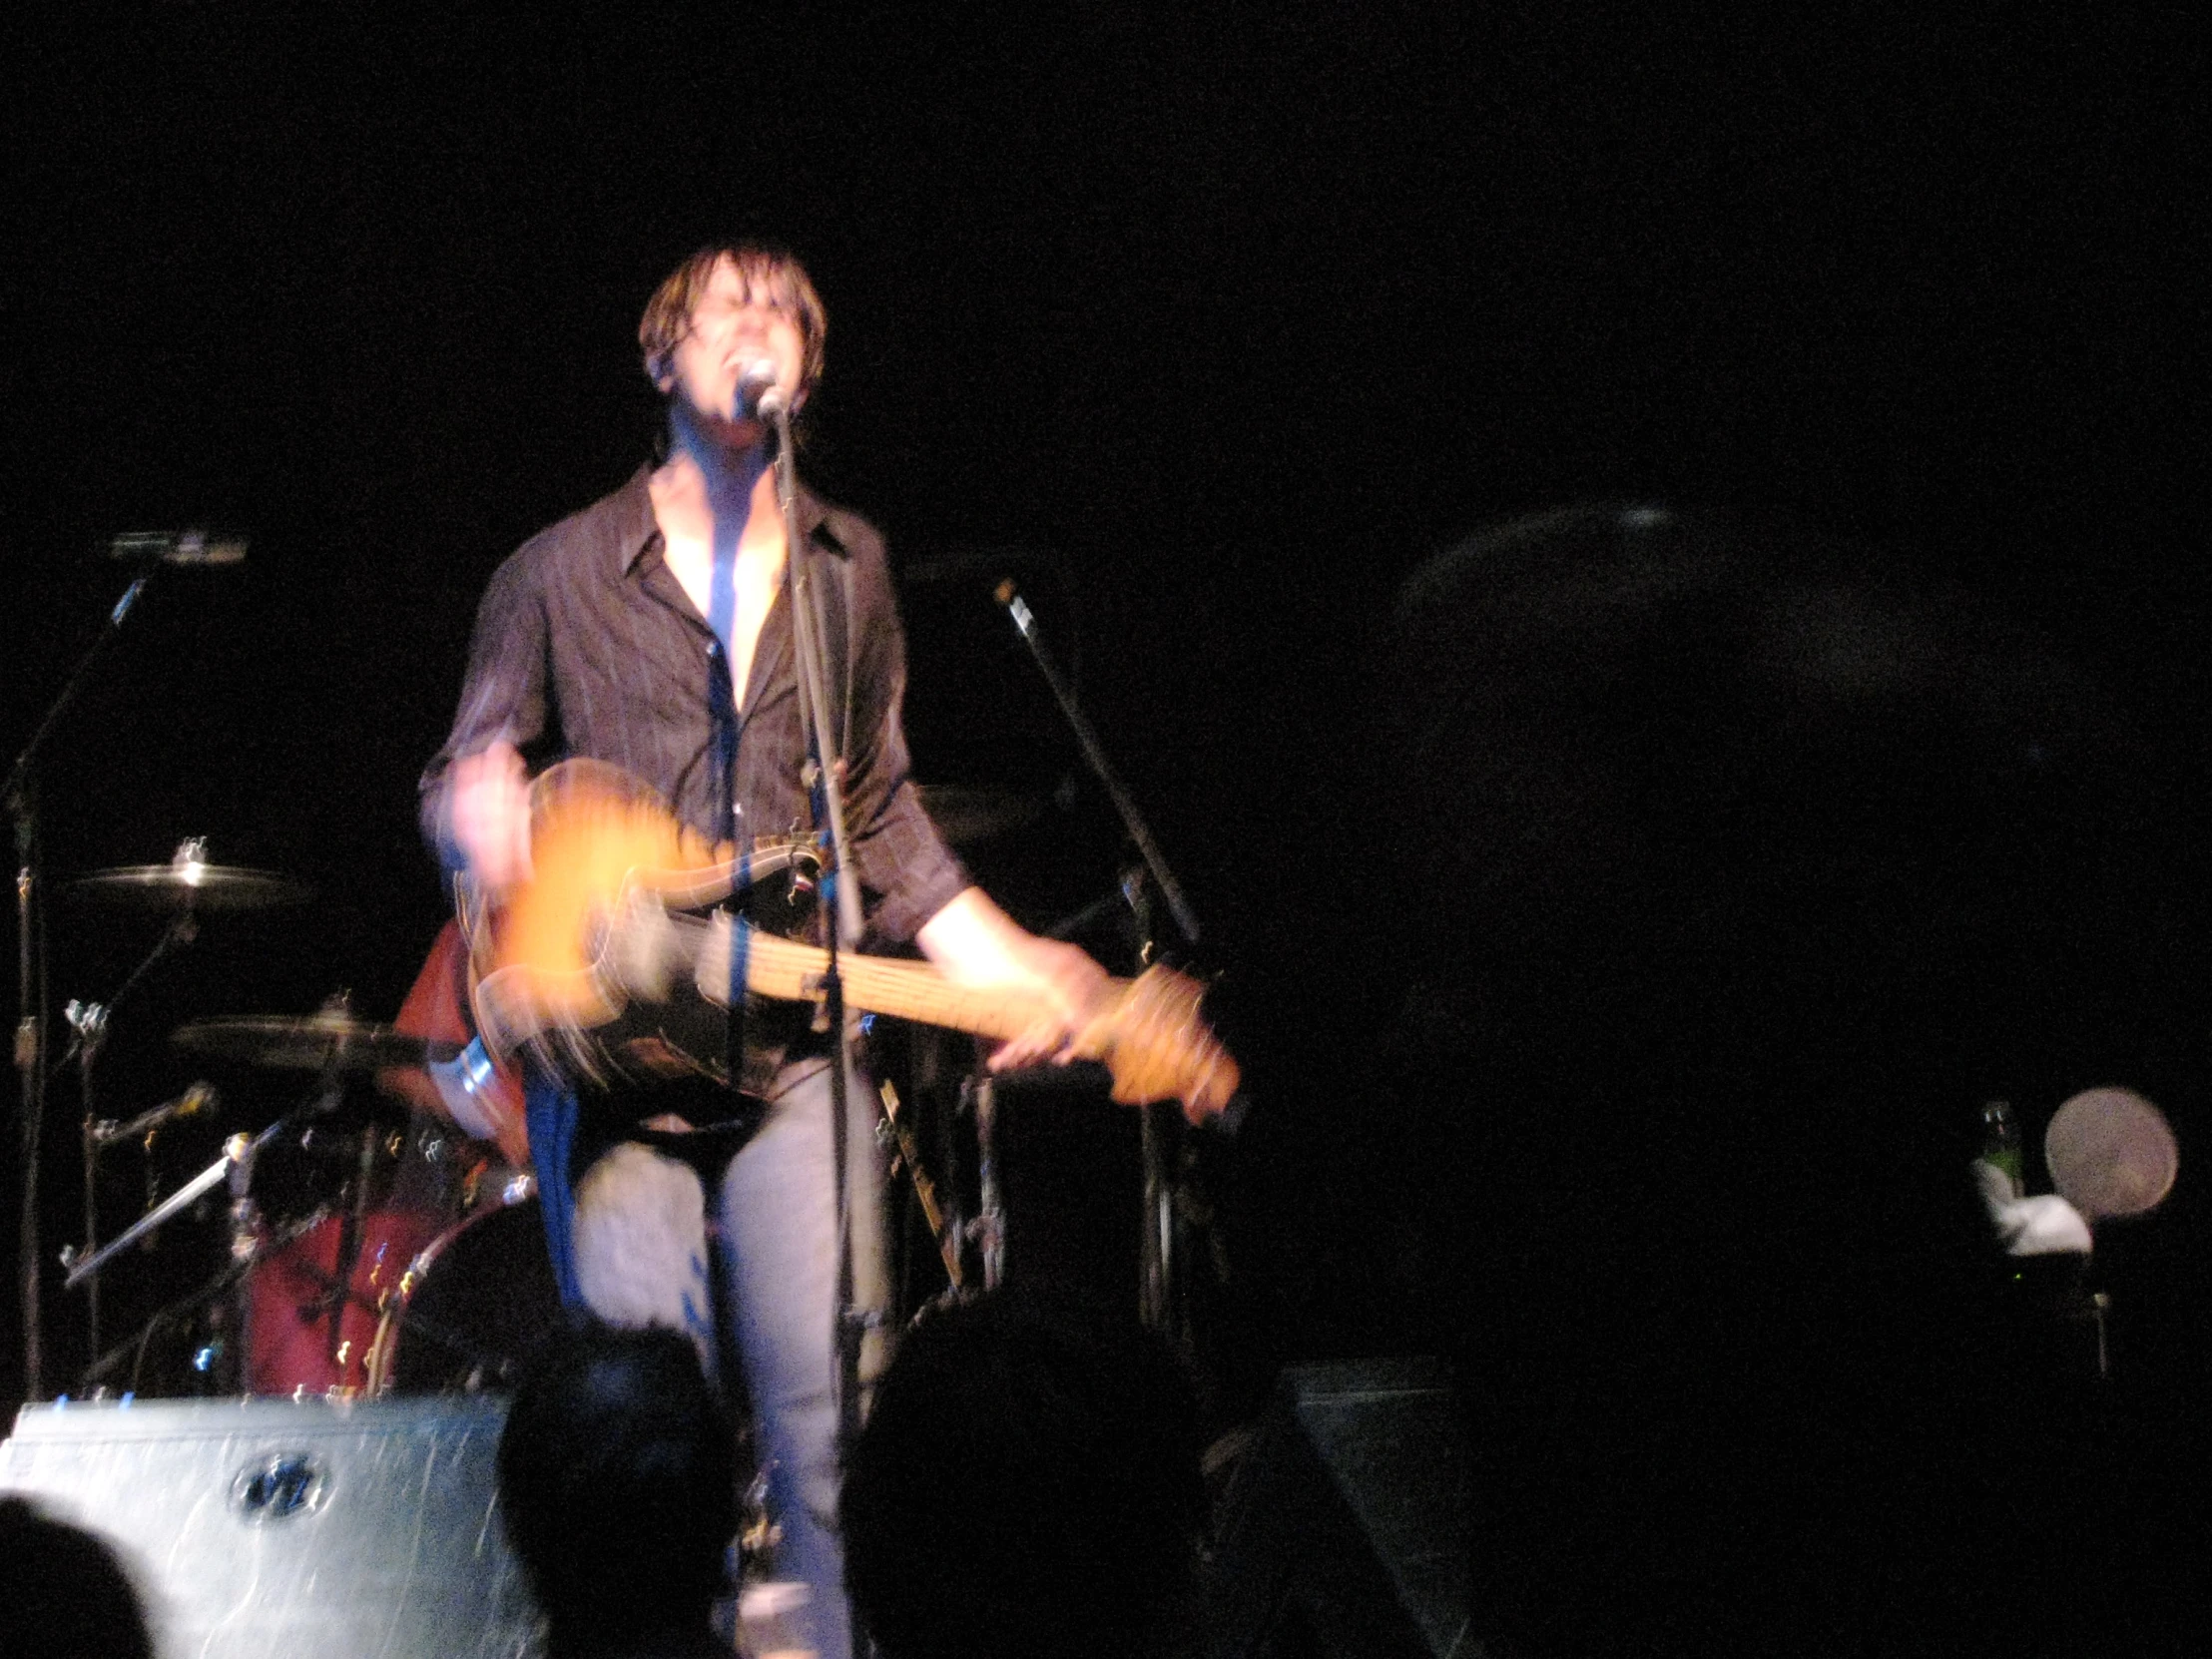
[(315, 1530), (1343, 1532)]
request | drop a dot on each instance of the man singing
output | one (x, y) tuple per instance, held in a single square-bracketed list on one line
[(652, 631)]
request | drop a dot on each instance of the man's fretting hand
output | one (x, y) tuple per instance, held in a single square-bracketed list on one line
[(1074, 987), (978, 944)]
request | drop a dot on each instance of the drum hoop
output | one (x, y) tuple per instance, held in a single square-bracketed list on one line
[(391, 1321)]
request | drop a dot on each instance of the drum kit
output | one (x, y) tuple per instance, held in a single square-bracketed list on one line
[(344, 1222)]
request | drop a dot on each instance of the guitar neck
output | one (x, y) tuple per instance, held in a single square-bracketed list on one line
[(785, 971)]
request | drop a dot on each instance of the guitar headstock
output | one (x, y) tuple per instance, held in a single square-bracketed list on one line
[(1162, 1048)]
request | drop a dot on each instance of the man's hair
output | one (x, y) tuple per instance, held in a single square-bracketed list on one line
[(615, 1472), (668, 314), (63, 1592), (1025, 1486)]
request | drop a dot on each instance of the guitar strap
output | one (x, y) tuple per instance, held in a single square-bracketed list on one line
[(554, 1111), (721, 709)]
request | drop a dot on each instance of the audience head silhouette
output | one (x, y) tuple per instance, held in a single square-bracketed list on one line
[(615, 1475), (1024, 1487), (63, 1593)]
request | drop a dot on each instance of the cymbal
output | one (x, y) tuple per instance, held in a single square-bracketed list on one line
[(310, 1042), (189, 884), (964, 816)]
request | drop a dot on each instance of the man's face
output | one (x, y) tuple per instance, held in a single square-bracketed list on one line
[(733, 323)]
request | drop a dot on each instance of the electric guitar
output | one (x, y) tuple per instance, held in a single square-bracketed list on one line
[(575, 958)]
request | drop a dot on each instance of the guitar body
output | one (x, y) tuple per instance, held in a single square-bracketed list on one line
[(539, 981), (592, 965)]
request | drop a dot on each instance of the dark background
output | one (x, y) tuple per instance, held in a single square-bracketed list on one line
[(1213, 324)]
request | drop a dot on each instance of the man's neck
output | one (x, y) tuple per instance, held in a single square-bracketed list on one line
[(716, 490)]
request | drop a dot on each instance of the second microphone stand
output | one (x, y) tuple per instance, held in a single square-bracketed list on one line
[(1156, 1263)]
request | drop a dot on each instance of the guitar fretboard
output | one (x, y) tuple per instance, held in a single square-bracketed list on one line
[(790, 972)]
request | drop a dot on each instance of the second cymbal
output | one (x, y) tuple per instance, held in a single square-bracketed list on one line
[(312, 1043)]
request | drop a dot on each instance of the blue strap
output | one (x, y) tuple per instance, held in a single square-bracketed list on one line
[(741, 938), (553, 1112), (721, 592), (722, 715)]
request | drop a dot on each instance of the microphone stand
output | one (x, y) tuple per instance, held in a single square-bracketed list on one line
[(826, 766), (1094, 753), (1156, 1249), (31, 1012)]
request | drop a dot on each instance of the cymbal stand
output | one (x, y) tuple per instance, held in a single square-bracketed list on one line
[(896, 1136), (31, 1015), (988, 1229), (352, 1220), (1156, 1260), (90, 1021)]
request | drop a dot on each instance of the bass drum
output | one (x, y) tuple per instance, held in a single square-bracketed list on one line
[(472, 1306), (290, 1348), (393, 1191)]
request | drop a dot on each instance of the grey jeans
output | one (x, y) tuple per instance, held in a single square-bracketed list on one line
[(640, 1259)]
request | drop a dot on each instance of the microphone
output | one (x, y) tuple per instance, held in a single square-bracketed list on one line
[(199, 1098), (759, 396), (177, 547)]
